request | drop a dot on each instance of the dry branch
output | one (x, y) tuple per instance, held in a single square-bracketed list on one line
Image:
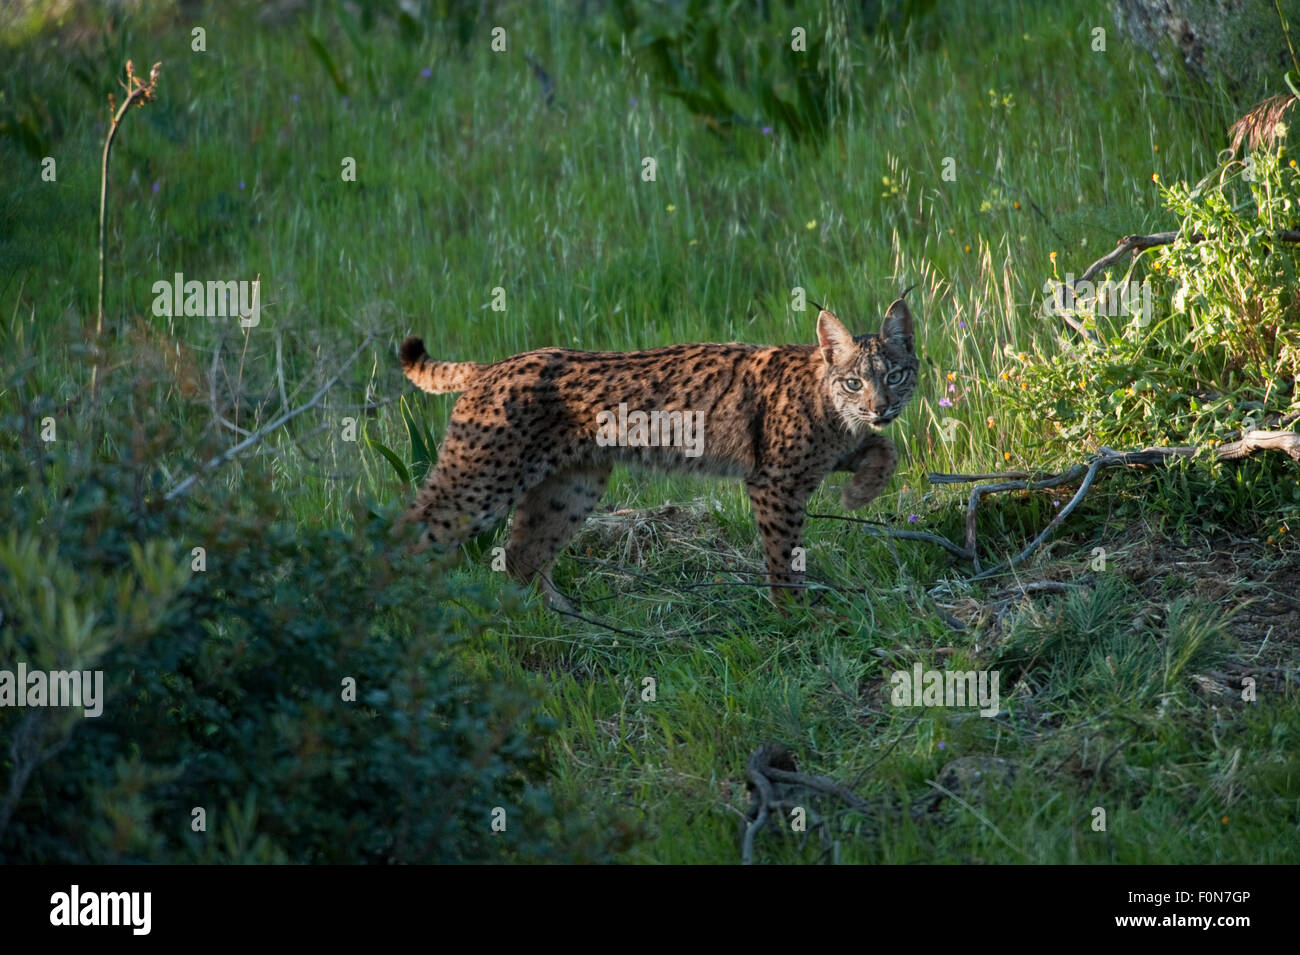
[(257, 436), (1084, 475), (1253, 441), (880, 530)]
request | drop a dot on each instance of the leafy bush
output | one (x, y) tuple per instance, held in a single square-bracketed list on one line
[(1211, 345), (224, 675)]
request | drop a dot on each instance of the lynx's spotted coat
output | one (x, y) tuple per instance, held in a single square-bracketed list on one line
[(532, 432)]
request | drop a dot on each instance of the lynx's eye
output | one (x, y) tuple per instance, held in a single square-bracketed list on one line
[(853, 384), (895, 378)]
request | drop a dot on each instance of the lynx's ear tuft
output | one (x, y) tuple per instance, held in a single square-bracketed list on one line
[(835, 341), (898, 323)]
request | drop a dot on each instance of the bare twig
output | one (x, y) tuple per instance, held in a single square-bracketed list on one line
[(819, 783), (138, 92), (1087, 474), (1106, 458), (597, 623), (937, 478), (1041, 587), (1083, 474), (1064, 297), (875, 528), (257, 436), (754, 770)]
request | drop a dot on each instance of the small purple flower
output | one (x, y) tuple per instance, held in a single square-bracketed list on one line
[(345, 101), (945, 402), (241, 184), (961, 324), (951, 389), (632, 101), (426, 72), (294, 97), (767, 130), (913, 518), (156, 187), (943, 745), (1056, 504)]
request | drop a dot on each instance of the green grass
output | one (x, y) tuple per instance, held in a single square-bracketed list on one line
[(467, 182)]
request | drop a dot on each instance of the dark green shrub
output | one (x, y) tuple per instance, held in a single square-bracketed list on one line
[(224, 686)]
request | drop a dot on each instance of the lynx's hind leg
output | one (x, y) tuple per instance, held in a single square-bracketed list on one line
[(469, 492), (548, 517), (872, 465)]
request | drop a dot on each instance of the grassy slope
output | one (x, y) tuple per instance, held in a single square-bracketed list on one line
[(468, 182)]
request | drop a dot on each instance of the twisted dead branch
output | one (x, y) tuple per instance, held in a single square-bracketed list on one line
[(1084, 474), (772, 772), (776, 786), (1105, 458)]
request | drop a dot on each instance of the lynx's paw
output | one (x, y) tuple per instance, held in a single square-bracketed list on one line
[(875, 465)]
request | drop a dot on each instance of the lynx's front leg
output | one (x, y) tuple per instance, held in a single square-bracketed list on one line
[(780, 512), (872, 464)]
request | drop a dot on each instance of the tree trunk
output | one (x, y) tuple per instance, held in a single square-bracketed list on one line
[(1238, 41)]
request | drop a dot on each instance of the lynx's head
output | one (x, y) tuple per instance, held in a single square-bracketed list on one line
[(869, 378)]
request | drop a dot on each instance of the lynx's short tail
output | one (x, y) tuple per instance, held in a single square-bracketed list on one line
[(438, 377)]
